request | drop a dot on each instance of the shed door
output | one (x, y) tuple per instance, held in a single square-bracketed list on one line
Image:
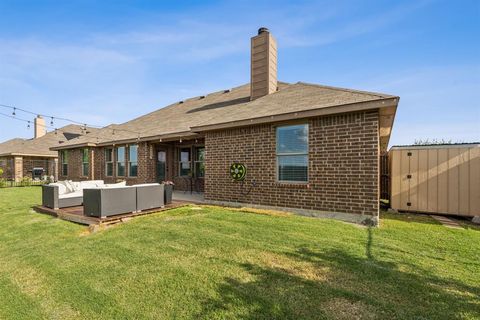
[(404, 180)]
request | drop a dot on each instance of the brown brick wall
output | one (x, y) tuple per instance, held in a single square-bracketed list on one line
[(8, 167), (343, 166), (47, 164), (147, 162), (74, 166), (146, 166)]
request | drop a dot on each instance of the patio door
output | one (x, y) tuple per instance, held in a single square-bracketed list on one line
[(161, 165)]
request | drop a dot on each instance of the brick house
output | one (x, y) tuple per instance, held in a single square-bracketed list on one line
[(33, 158), (311, 148)]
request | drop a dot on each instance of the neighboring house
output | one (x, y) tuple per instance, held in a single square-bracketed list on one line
[(32, 157), (311, 148)]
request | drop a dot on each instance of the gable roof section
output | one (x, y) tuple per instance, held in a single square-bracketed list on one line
[(230, 108), (40, 147)]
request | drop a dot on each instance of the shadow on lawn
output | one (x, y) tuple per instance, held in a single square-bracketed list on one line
[(352, 287), (409, 217)]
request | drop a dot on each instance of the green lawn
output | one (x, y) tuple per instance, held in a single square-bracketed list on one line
[(216, 263)]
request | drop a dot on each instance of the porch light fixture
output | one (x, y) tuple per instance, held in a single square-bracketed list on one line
[(180, 140)]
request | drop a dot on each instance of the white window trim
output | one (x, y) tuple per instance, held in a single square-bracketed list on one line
[(112, 151), (198, 161), (129, 163), (83, 163), (180, 161), (124, 161), (64, 163)]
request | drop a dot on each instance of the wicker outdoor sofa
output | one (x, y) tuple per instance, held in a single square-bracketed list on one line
[(103, 200)]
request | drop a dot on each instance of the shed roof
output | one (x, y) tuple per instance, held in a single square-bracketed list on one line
[(230, 108)]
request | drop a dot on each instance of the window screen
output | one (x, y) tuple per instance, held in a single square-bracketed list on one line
[(292, 153)]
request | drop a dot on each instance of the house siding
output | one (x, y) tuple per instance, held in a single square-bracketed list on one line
[(343, 166)]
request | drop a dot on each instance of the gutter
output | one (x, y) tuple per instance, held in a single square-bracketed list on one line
[(16, 154)]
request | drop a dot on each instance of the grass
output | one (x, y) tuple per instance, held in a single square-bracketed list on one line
[(215, 263)]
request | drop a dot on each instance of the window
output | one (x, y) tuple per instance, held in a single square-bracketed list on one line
[(185, 157), (199, 162), (132, 160), (64, 155), (109, 162), (292, 153), (121, 161), (85, 166)]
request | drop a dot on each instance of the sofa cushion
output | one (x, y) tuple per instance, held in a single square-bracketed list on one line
[(61, 187), (146, 184), (115, 185), (69, 185), (99, 183), (89, 184), (74, 194)]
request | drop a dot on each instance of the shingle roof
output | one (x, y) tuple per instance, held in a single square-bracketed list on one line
[(41, 146), (228, 106)]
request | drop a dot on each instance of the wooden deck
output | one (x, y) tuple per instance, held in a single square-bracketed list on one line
[(75, 214)]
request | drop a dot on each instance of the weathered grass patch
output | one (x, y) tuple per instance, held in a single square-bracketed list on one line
[(217, 263)]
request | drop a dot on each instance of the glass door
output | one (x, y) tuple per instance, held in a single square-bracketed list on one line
[(161, 165)]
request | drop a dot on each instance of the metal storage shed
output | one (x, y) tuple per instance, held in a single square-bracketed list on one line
[(436, 178)]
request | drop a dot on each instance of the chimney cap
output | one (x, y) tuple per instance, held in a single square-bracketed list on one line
[(262, 30)]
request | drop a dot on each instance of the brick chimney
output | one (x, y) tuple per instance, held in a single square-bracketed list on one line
[(263, 77), (39, 126)]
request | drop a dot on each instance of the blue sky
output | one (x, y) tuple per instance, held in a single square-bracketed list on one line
[(103, 62)]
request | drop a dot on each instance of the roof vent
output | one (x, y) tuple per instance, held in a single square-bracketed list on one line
[(180, 102), (226, 91), (202, 97), (262, 30)]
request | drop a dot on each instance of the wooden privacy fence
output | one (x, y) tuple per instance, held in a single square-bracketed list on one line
[(25, 183), (384, 177), (437, 179)]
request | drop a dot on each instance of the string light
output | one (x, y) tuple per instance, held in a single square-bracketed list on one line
[(60, 118), (83, 126)]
